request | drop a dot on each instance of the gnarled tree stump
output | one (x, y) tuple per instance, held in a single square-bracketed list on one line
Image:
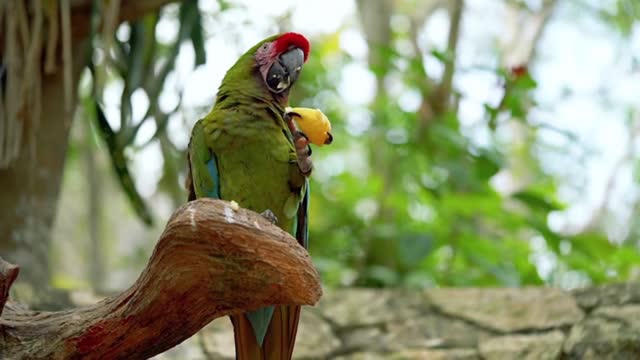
[(212, 260)]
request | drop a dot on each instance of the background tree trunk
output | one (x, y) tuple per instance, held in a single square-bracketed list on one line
[(95, 203), (31, 183)]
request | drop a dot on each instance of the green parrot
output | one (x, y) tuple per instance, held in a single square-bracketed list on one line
[(248, 150)]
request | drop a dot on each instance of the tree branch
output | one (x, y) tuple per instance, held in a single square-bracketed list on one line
[(8, 274), (600, 211), (130, 10), (520, 47), (436, 97), (441, 99), (211, 261)]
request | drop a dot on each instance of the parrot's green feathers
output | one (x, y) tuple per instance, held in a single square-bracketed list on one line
[(243, 150), (204, 182), (291, 206)]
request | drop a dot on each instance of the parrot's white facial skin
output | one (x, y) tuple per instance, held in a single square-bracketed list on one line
[(280, 61)]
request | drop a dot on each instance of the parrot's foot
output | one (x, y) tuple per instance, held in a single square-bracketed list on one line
[(270, 216), (303, 151), (301, 142)]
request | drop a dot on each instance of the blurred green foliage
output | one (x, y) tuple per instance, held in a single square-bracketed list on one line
[(410, 199)]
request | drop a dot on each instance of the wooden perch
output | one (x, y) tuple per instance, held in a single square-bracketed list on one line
[(8, 274), (210, 261)]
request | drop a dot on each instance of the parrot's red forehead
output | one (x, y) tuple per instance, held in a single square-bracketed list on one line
[(289, 39)]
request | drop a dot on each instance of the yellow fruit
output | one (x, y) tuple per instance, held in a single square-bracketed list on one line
[(313, 123)]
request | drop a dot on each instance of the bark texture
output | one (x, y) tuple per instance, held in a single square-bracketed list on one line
[(213, 259)]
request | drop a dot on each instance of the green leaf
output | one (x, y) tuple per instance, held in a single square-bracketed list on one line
[(381, 276), (525, 82), (536, 200), (442, 56), (487, 164), (197, 39), (119, 163), (413, 248)]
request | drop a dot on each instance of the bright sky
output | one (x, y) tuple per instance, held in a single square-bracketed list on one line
[(577, 58)]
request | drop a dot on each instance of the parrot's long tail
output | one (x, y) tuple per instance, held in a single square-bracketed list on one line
[(279, 340)]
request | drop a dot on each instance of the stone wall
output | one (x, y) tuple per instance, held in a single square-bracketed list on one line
[(525, 323)]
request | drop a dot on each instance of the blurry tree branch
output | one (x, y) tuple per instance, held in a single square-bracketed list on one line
[(129, 10), (95, 203), (441, 97), (374, 17), (518, 50), (436, 97), (520, 45), (8, 274), (425, 83), (203, 267), (629, 154)]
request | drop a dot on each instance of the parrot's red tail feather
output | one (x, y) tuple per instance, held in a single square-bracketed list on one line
[(279, 340)]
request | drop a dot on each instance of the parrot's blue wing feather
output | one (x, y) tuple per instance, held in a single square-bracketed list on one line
[(260, 320), (203, 177), (212, 167)]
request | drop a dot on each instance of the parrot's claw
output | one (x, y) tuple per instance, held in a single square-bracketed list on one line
[(270, 216), (303, 151), (301, 142), (289, 114)]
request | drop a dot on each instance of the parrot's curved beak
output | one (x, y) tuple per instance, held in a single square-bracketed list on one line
[(285, 70)]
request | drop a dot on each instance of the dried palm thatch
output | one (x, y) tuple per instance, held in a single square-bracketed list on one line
[(29, 34)]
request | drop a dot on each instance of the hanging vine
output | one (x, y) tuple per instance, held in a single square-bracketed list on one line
[(24, 26)]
